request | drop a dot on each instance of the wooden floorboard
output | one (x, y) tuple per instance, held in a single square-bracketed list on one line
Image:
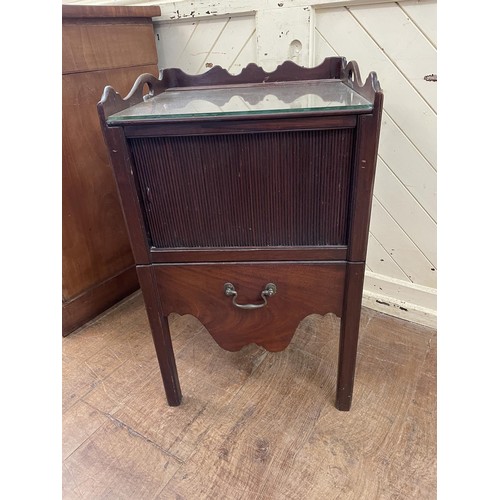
[(252, 425)]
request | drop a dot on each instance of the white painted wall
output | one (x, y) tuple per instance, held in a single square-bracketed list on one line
[(395, 39)]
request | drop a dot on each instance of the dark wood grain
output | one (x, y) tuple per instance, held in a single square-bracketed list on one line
[(90, 45), (95, 300), (95, 244), (129, 196), (210, 200), (237, 125), (365, 162), (257, 190), (227, 254), (302, 289), (96, 255), (351, 76), (349, 331), (112, 102), (330, 68), (161, 335), (108, 11)]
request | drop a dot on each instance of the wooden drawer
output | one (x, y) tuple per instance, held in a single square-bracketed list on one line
[(302, 288)]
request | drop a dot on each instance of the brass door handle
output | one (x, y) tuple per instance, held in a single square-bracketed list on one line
[(268, 291)]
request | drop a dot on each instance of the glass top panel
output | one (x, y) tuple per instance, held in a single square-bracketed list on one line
[(263, 98)]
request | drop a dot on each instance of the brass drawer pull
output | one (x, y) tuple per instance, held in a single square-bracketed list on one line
[(269, 291)]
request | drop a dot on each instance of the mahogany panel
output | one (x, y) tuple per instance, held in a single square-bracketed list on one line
[(136, 43), (365, 162), (100, 45), (303, 288), (95, 241), (287, 71), (236, 125), (338, 252), (95, 300), (108, 11)]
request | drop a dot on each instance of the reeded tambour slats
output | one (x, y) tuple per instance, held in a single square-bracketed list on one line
[(251, 190)]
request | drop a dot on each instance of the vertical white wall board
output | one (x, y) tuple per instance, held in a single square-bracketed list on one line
[(408, 164), (385, 38), (423, 14), (284, 33), (322, 49), (406, 211), (171, 40), (400, 247), (381, 262), (403, 43), (401, 101), (199, 45), (231, 42), (196, 46), (247, 54)]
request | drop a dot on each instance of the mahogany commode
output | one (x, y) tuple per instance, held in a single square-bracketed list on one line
[(247, 199)]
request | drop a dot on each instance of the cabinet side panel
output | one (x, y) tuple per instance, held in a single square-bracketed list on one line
[(95, 244), (248, 190), (96, 44)]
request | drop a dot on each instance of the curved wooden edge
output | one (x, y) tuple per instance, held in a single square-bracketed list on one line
[(287, 71), (331, 68), (352, 77), (276, 343), (111, 102)]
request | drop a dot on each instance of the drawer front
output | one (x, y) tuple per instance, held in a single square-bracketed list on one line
[(301, 289)]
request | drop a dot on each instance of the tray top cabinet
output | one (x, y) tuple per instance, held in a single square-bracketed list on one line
[(247, 200)]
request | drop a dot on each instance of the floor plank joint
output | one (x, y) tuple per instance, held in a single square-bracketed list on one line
[(252, 424)]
